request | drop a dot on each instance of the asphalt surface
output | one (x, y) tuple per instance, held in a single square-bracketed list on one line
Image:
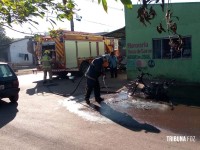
[(181, 117), (47, 117)]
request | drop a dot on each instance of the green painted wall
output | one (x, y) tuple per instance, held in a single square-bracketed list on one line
[(139, 43)]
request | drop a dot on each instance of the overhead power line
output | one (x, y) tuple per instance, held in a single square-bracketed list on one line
[(97, 23), (79, 18), (18, 30)]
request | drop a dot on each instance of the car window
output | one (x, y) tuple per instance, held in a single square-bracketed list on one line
[(5, 71)]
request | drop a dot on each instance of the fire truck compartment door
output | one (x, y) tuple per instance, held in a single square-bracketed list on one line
[(93, 49), (101, 48), (70, 53), (83, 49)]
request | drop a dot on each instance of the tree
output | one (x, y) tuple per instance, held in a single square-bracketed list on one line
[(21, 11), (5, 41), (147, 13)]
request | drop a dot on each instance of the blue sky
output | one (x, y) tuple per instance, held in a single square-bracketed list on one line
[(94, 19)]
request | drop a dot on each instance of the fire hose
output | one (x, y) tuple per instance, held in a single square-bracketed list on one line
[(80, 82), (105, 85), (68, 94), (70, 77), (76, 87)]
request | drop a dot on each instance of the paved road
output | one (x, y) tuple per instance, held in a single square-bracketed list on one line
[(45, 118)]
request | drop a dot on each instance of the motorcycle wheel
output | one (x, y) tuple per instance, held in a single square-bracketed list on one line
[(133, 88), (147, 93)]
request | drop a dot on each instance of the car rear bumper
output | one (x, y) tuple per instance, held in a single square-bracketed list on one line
[(9, 92)]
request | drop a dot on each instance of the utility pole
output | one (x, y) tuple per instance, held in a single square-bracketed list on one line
[(72, 19), (78, 18), (72, 23)]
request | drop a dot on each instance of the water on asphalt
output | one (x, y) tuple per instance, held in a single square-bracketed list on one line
[(138, 114), (180, 119)]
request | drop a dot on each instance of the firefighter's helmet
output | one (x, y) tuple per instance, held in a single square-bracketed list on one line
[(105, 60), (105, 56), (46, 52)]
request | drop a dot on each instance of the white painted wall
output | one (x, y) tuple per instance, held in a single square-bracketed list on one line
[(18, 50)]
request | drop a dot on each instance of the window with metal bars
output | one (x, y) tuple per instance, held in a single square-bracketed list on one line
[(163, 50)]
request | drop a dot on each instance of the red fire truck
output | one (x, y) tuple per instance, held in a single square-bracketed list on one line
[(72, 51)]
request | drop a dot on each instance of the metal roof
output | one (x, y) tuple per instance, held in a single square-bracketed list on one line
[(119, 33)]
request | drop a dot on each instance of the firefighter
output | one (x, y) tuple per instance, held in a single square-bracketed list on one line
[(46, 66), (113, 65), (95, 70)]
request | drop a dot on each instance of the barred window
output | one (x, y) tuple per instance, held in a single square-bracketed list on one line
[(163, 50)]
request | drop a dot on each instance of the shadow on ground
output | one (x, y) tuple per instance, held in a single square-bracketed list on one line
[(123, 119), (188, 95), (61, 87), (41, 89), (8, 112)]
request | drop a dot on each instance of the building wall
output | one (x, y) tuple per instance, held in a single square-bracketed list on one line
[(19, 53), (139, 43)]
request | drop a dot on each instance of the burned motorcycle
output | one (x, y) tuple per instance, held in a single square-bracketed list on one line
[(149, 89)]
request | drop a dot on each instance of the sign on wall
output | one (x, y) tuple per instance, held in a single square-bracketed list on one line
[(138, 54), (139, 51)]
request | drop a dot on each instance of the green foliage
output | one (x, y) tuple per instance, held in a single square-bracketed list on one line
[(4, 40), (126, 3), (25, 11), (105, 5), (21, 11), (54, 33), (37, 38)]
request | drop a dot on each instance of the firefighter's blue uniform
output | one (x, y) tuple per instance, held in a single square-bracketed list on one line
[(94, 71)]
